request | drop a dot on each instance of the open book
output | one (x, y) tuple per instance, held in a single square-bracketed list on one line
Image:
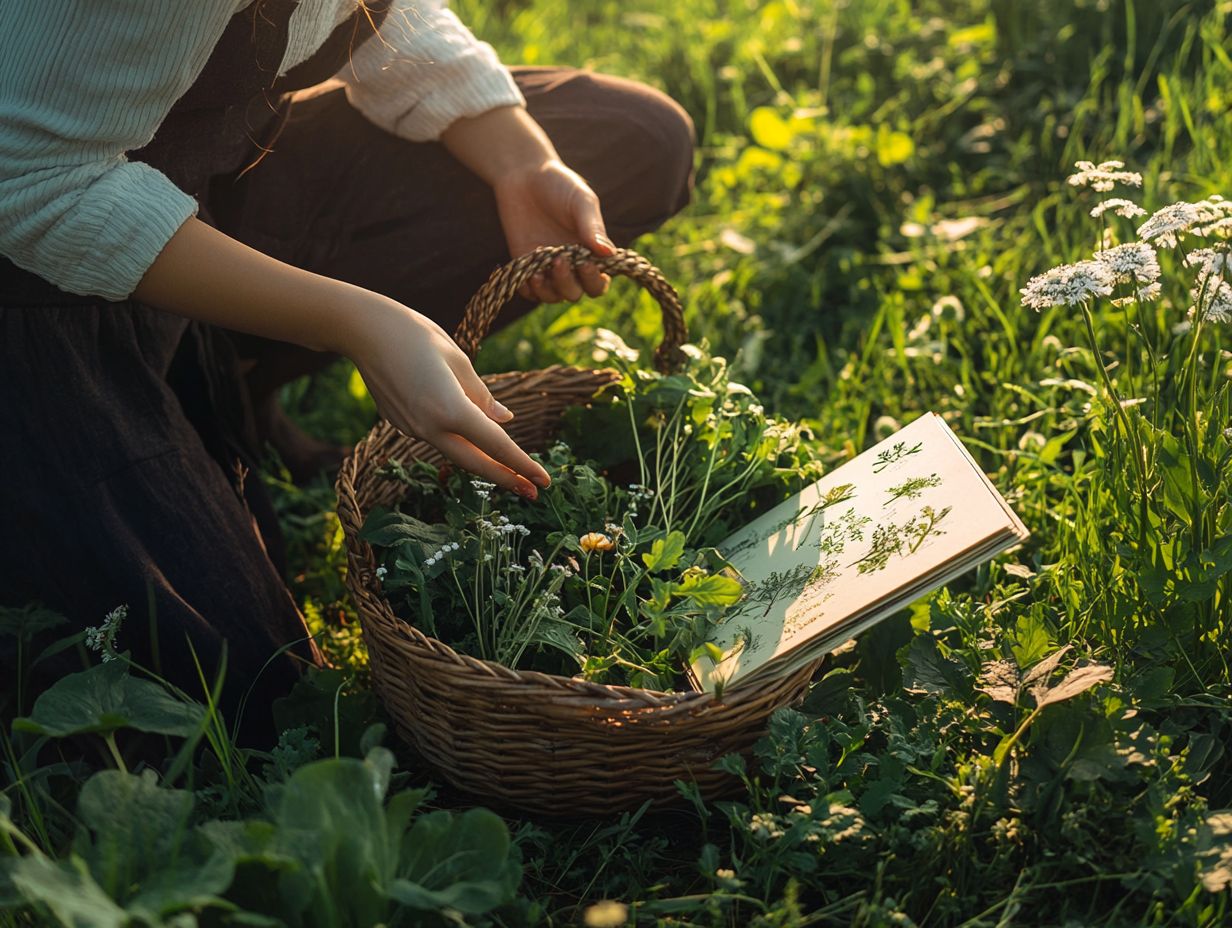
[(900, 520)]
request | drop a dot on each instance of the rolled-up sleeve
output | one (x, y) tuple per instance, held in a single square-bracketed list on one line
[(423, 71), (81, 83)]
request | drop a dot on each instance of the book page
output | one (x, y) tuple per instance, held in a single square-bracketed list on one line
[(912, 506)]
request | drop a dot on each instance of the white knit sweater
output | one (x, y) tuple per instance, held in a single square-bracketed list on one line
[(84, 81)]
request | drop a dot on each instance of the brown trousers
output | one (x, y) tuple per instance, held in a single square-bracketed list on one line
[(116, 487)]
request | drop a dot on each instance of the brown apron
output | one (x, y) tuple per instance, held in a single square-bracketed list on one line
[(123, 426)]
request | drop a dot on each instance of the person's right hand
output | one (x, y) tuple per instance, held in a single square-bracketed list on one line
[(425, 386)]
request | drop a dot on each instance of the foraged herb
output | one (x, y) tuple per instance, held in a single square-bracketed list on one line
[(610, 576)]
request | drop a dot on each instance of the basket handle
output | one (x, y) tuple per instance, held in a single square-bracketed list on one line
[(504, 283)]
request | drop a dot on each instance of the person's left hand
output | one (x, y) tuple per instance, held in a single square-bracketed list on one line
[(550, 204)]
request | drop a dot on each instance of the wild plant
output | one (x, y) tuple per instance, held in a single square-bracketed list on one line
[(611, 575), (1164, 438)]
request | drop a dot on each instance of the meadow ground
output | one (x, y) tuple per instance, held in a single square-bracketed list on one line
[(876, 182)]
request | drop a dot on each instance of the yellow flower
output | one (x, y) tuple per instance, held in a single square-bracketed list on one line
[(607, 914), (595, 541)]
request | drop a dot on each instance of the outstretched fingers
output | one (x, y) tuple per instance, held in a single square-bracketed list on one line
[(467, 456)]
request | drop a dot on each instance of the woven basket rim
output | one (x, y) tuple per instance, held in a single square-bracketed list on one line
[(347, 488)]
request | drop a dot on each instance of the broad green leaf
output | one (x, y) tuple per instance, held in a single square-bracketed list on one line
[(389, 529), (140, 848), (67, 890), (926, 670), (106, 698), (1031, 639), (710, 589), (331, 820), (27, 621), (665, 553), (464, 862)]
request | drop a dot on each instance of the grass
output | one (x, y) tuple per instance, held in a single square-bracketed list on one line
[(876, 181)]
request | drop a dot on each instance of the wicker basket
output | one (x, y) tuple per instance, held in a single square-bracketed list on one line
[(542, 743)]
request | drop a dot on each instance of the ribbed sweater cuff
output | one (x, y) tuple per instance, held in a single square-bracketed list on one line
[(480, 85), (122, 233)]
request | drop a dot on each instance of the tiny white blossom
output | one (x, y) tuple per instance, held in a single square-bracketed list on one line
[(1168, 224), (381, 573), (1133, 263), (1214, 302), (1104, 176), (102, 638), (1127, 208), (1068, 285), (430, 562)]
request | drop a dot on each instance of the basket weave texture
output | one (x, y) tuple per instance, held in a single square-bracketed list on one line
[(542, 743)]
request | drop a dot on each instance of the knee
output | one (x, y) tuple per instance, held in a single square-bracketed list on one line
[(672, 141), (651, 142)]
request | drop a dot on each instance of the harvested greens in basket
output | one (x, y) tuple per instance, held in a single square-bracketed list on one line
[(611, 575)]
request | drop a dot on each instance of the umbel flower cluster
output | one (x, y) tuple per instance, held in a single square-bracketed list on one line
[(1130, 272)]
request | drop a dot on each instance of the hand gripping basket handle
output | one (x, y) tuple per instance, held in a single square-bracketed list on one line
[(503, 286)]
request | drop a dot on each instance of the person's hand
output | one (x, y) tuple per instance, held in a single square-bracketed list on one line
[(425, 386), (550, 204)]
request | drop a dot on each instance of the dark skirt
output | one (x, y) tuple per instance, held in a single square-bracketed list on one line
[(128, 431)]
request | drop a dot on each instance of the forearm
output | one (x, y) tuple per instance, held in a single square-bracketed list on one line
[(499, 143), (206, 275)]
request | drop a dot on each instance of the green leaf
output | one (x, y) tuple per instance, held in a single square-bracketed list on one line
[(1031, 639), (710, 589), (67, 890), (665, 553), (140, 849), (330, 820), (390, 529), (926, 670), (106, 698), (27, 621), (464, 862)]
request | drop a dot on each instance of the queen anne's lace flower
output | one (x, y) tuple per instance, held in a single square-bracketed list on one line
[(1134, 263), (1104, 176), (1127, 208), (1068, 285), (1214, 302), (1167, 225)]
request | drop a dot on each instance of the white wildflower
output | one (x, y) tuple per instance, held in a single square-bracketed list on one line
[(1127, 208), (1227, 434), (430, 562), (1212, 302), (1068, 285), (381, 573), (1168, 224), (102, 638), (1211, 262), (1133, 263), (1104, 176)]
